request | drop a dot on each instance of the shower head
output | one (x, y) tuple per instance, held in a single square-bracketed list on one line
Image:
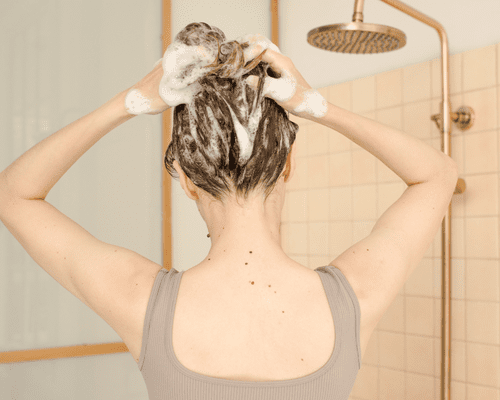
[(357, 37)]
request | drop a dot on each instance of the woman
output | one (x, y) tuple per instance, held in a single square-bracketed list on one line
[(248, 321)]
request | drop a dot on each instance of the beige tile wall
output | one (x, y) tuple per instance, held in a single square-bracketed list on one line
[(339, 191)]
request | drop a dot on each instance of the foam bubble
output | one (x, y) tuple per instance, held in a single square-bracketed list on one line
[(258, 43), (313, 104), (136, 103), (282, 89), (182, 66)]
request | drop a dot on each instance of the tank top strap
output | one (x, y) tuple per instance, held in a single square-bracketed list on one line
[(345, 306)]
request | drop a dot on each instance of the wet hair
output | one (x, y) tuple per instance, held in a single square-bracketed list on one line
[(205, 141)]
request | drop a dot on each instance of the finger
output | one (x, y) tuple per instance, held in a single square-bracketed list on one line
[(275, 60), (258, 43), (281, 89)]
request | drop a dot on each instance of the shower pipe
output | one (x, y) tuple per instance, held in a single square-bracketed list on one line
[(464, 118), (381, 38)]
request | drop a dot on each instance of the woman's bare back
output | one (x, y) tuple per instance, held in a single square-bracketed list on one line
[(279, 327)]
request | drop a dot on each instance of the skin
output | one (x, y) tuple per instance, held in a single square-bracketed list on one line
[(235, 230)]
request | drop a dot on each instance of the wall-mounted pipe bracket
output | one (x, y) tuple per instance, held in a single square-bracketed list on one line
[(463, 118)]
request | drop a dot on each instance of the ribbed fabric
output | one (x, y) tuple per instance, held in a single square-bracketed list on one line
[(166, 378)]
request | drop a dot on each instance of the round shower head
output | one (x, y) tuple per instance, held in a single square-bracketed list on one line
[(357, 37)]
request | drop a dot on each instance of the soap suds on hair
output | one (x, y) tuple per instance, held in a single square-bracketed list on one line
[(183, 65), (226, 136), (283, 89)]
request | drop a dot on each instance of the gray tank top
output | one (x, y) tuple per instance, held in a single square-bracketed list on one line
[(167, 378)]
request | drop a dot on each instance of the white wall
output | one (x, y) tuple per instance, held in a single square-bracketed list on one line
[(61, 60), (468, 24), (65, 59)]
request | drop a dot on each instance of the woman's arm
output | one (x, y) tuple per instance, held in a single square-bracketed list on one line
[(36, 171), (413, 160)]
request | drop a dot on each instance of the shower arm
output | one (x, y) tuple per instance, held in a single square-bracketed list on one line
[(464, 117)]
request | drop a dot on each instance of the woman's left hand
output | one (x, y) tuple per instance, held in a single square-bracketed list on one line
[(144, 96)]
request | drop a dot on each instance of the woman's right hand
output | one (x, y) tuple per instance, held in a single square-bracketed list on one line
[(290, 90)]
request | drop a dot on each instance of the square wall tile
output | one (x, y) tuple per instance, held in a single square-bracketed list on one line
[(417, 82), (318, 140), (457, 237), (481, 280), (364, 202), (483, 322), (419, 386), (483, 364), (318, 205), (419, 354), (479, 68), (318, 261), (366, 382), (340, 95), (340, 237), (340, 169), (458, 357), (297, 239), (391, 386), (481, 152), (484, 103), (363, 94), (420, 282), (363, 167), (297, 206), (392, 350), (417, 119), (338, 142), (481, 196), (457, 277), (458, 390), (419, 314), (481, 237), (481, 392), (318, 238), (317, 171), (394, 318), (341, 203), (389, 88)]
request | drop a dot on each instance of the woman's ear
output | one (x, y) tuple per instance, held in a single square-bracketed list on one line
[(290, 164), (189, 187)]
